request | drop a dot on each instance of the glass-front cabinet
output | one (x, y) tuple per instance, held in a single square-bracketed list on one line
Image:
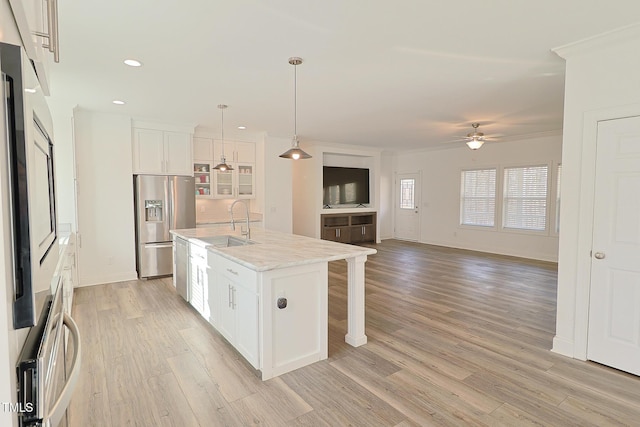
[(238, 183), (202, 176)]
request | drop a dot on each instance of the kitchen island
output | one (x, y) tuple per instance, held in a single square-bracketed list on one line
[(268, 295)]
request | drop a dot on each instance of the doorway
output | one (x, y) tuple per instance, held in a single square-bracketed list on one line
[(407, 213)]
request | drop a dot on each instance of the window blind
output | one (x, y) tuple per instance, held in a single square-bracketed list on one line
[(478, 197), (525, 198)]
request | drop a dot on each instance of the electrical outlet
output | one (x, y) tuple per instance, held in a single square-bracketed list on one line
[(273, 209)]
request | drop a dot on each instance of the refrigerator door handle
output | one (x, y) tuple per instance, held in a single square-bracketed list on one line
[(158, 245)]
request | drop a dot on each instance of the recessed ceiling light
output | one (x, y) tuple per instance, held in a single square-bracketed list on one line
[(548, 74), (242, 127), (29, 90), (133, 63), (118, 102)]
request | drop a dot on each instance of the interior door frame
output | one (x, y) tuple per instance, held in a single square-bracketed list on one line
[(585, 225), (396, 196)]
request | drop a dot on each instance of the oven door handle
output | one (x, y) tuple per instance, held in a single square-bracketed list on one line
[(60, 406)]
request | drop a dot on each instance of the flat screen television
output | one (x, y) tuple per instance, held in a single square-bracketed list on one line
[(345, 186)]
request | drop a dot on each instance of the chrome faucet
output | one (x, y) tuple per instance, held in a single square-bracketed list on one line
[(246, 233)]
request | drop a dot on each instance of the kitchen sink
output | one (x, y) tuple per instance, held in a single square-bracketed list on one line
[(225, 241)]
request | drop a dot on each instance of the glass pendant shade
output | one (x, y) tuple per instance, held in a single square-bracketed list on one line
[(475, 143)]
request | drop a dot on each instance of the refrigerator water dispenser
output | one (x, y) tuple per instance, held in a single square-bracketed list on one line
[(153, 210)]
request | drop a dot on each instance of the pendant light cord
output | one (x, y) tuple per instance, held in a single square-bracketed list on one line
[(295, 100)]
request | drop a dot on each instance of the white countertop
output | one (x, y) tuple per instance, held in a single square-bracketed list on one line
[(274, 249)]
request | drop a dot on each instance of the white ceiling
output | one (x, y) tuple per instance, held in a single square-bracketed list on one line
[(394, 74)]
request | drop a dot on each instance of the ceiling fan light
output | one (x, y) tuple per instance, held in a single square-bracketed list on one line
[(475, 143)]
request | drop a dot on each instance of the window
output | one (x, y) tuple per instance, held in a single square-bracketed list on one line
[(478, 197), (525, 198), (407, 197)]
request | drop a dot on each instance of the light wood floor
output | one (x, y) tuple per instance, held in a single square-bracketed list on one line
[(455, 338)]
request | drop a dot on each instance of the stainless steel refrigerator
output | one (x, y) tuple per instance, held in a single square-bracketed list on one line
[(162, 203)]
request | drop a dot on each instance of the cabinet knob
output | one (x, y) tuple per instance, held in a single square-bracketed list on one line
[(282, 303)]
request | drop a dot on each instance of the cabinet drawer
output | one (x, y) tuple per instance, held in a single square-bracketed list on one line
[(239, 274), (197, 251)]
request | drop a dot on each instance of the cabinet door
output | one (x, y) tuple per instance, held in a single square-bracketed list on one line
[(223, 184), (227, 314), (244, 152), (213, 298), (148, 151), (245, 185), (369, 234), (337, 234), (196, 285), (178, 156), (246, 311), (203, 149)]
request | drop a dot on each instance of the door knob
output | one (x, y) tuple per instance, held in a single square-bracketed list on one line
[(599, 255)]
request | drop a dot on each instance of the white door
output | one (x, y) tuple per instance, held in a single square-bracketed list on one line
[(614, 312), (407, 225)]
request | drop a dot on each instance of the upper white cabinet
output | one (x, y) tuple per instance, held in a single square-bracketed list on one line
[(203, 148), (37, 22), (162, 152)]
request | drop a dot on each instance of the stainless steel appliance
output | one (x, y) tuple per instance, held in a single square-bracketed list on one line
[(162, 203), (45, 379)]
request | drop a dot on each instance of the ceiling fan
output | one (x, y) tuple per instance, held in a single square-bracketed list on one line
[(475, 139)]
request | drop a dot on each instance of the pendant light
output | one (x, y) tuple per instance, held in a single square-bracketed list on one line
[(222, 166), (295, 152)]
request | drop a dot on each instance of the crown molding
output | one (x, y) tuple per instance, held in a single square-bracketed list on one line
[(599, 41)]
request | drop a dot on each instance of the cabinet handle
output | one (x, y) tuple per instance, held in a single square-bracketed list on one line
[(232, 272), (233, 295), (229, 295)]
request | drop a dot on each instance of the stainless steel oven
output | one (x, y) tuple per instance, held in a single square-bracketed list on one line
[(45, 379)]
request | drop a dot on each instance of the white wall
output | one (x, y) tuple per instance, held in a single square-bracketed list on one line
[(106, 250), (278, 185), (385, 213), (64, 165), (440, 196), (601, 83)]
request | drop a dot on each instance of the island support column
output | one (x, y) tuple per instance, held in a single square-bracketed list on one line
[(355, 300)]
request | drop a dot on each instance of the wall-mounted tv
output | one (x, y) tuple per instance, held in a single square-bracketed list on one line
[(345, 186)]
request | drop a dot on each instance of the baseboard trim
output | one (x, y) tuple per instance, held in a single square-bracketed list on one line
[(101, 280)]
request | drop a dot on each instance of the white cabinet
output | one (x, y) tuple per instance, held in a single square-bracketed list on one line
[(235, 151), (161, 152), (35, 19), (240, 183), (236, 312), (198, 280), (203, 149)]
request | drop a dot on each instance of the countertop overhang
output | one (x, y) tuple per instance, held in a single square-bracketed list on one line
[(273, 249)]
